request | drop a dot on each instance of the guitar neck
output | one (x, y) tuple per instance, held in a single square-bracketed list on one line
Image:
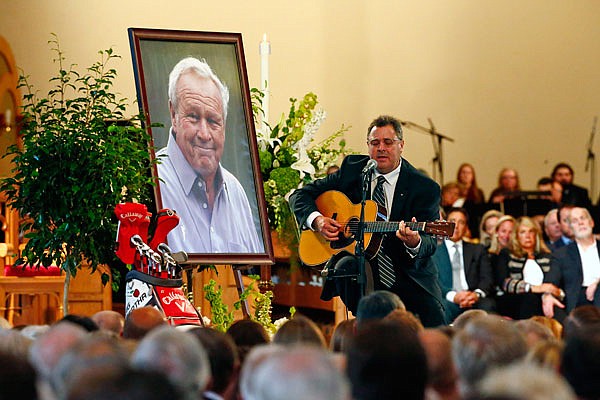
[(386, 227)]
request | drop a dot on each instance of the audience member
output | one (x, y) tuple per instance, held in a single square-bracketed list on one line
[(142, 320), (546, 354), (299, 373), (125, 384), (376, 306), (508, 186), (552, 230), (487, 226), (85, 322), (385, 360), (249, 387), (300, 330), (95, 353), (463, 319), (34, 331), (581, 318), (564, 212), (581, 363), (13, 342), (17, 377), (465, 272), (572, 194), (176, 354), (451, 196), (482, 345), (405, 318), (524, 381), (466, 177), (524, 272), (224, 362), (46, 351), (246, 334), (442, 377), (577, 265), (501, 235), (332, 169), (342, 332), (534, 332), (555, 327), (553, 188), (109, 320)]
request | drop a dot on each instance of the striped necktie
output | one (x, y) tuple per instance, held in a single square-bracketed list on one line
[(386, 268)]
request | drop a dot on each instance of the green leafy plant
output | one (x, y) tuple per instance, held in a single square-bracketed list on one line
[(289, 155), (79, 157), (222, 317)]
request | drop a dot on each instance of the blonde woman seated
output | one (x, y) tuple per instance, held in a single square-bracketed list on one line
[(522, 269), (487, 226), (500, 238)]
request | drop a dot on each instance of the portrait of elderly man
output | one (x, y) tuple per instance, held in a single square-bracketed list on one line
[(215, 215)]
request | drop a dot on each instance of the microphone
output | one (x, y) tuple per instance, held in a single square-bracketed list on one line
[(371, 165)]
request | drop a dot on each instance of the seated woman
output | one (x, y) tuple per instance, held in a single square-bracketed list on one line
[(508, 182), (487, 226), (473, 196), (521, 270), (466, 177)]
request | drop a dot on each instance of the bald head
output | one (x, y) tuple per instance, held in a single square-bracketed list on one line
[(109, 320), (142, 320)]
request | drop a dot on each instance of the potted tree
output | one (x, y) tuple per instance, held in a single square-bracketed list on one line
[(77, 159)]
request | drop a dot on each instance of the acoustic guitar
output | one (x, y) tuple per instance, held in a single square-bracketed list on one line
[(314, 249)]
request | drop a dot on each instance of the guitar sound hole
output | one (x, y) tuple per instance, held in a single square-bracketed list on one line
[(346, 236)]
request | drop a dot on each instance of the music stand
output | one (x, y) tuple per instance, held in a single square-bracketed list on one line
[(527, 203)]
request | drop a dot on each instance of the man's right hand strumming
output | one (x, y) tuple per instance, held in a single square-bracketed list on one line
[(327, 227)]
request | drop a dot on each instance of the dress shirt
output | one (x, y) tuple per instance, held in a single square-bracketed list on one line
[(227, 228), (463, 277), (590, 263)]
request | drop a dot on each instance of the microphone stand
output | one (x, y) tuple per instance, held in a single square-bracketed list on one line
[(438, 138), (591, 159), (359, 249)]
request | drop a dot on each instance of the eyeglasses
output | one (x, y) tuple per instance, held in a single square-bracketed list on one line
[(387, 142)]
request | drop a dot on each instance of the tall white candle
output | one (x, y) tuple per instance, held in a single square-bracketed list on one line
[(265, 51)]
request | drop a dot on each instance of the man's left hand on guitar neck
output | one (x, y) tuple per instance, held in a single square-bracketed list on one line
[(411, 238)]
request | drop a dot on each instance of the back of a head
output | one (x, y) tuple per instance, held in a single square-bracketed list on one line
[(142, 320), (524, 381), (94, 353), (178, 355), (17, 377), (300, 330), (257, 355), (85, 322), (377, 305), (406, 318), (442, 372), (13, 342), (246, 334), (125, 384), (485, 343), (581, 362), (342, 333), (581, 318), (377, 353), (109, 320), (46, 351), (534, 331), (222, 355), (463, 319), (301, 372)]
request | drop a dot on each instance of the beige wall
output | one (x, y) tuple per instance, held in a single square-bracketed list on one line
[(514, 82)]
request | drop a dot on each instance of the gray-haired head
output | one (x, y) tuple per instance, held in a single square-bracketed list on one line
[(176, 354), (203, 70)]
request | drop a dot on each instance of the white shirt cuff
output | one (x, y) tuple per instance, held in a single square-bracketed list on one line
[(450, 296), (311, 218)]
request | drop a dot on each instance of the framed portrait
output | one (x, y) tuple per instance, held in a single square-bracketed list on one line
[(195, 86)]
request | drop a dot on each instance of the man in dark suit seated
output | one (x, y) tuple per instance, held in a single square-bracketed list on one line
[(577, 265), (465, 271), (403, 265), (572, 194)]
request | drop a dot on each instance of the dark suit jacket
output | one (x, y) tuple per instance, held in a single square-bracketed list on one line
[(576, 195), (478, 269), (568, 273), (415, 196)]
